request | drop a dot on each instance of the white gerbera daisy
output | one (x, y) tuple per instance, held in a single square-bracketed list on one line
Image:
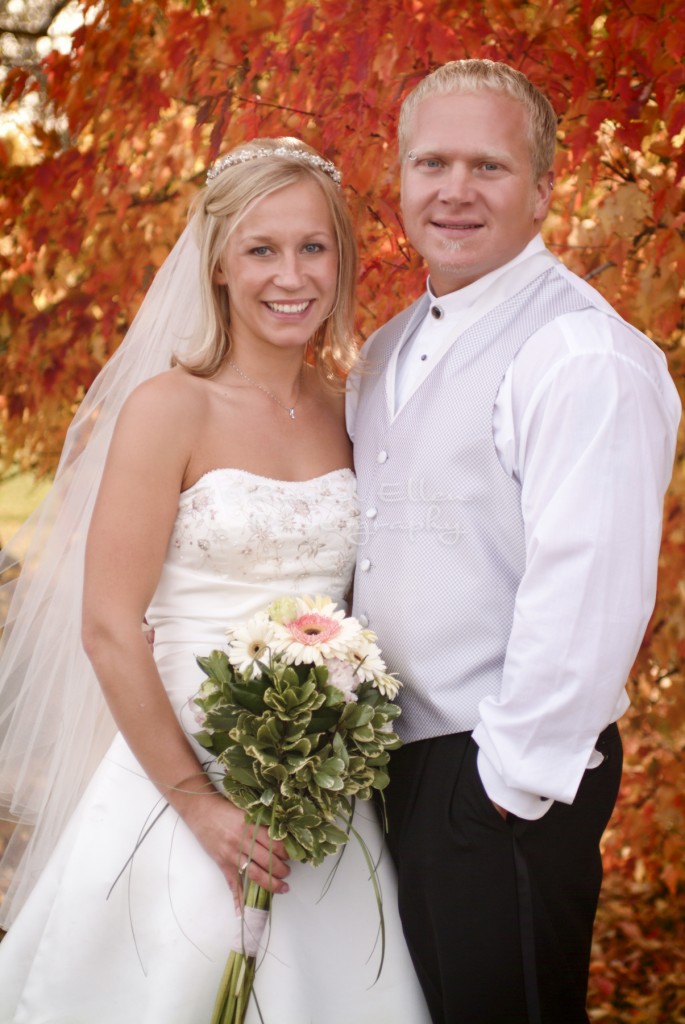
[(366, 656), (250, 642), (370, 667), (388, 684)]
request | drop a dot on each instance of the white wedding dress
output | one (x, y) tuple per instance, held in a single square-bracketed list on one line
[(110, 936)]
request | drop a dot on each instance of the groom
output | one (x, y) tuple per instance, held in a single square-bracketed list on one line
[(513, 442)]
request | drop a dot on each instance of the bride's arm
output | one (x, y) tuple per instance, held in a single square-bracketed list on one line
[(127, 541)]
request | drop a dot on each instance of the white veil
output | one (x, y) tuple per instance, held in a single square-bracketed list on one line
[(54, 723)]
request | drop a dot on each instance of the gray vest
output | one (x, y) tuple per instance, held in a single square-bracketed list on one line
[(443, 548)]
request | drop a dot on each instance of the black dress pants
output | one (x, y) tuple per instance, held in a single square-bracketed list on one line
[(497, 913)]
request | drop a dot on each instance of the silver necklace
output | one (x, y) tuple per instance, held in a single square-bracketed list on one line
[(290, 409)]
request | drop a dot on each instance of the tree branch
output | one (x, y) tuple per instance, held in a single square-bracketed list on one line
[(599, 270), (257, 101)]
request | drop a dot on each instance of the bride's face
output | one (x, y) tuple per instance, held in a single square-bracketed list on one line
[(281, 268)]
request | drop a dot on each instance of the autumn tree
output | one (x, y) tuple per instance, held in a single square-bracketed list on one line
[(151, 92)]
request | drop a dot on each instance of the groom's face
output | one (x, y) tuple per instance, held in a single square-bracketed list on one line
[(470, 201)]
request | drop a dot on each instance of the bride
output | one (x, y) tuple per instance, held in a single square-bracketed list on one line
[(227, 483)]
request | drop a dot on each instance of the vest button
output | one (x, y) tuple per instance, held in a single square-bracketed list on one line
[(437, 313), (365, 564), (382, 457), (371, 513)]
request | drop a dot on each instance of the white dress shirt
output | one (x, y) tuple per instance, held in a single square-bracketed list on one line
[(586, 420)]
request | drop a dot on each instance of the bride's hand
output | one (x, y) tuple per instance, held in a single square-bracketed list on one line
[(238, 848)]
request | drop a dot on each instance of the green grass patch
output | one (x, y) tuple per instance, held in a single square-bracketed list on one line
[(19, 495)]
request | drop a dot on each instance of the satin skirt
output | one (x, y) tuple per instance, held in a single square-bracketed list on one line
[(132, 923)]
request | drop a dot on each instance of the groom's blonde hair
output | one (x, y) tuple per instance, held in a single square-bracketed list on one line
[(470, 76)]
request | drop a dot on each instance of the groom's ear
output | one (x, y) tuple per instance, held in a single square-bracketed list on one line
[(543, 196)]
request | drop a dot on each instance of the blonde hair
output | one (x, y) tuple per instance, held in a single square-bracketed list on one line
[(458, 76), (217, 211)]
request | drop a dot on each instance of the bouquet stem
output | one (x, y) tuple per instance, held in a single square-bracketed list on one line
[(235, 989)]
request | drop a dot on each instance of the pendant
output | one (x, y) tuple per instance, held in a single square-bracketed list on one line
[(291, 413)]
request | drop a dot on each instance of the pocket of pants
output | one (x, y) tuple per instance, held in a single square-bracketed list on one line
[(469, 797)]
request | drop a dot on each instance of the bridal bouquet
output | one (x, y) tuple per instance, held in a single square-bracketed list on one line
[(298, 712)]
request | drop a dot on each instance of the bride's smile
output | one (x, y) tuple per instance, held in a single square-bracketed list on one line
[(280, 267)]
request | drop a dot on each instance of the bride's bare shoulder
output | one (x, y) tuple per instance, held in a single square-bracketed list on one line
[(173, 393)]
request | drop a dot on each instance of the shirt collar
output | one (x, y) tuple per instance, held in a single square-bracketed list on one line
[(454, 303)]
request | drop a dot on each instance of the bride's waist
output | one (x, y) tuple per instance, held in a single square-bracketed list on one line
[(182, 633), (181, 674)]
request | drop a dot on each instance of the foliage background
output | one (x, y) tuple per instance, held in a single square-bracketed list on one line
[(104, 141)]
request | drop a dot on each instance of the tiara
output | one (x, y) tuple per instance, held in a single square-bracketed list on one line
[(245, 155)]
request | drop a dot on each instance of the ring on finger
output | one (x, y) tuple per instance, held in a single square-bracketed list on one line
[(243, 868)]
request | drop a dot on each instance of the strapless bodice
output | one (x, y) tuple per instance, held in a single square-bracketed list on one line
[(240, 540)]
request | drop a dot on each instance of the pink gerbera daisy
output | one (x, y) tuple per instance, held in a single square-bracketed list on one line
[(313, 629), (317, 634)]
